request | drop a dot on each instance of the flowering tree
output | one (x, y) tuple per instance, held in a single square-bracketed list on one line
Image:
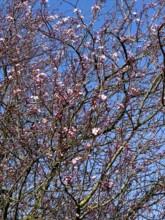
[(82, 103)]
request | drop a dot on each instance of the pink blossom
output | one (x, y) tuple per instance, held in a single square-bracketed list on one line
[(141, 75), (107, 186), (68, 180), (70, 91), (120, 106), (45, 94), (44, 1), (64, 20), (133, 91), (65, 129), (70, 131), (102, 58), (9, 18), (41, 75), (88, 146), (76, 160), (33, 111), (44, 120), (95, 8), (49, 154), (114, 56), (17, 91)]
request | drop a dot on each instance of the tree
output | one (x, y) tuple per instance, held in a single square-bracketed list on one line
[(82, 110)]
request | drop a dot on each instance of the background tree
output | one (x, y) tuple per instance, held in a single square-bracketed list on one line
[(82, 110)]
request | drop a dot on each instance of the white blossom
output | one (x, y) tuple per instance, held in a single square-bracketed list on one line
[(95, 131), (103, 97), (76, 160), (35, 97)]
